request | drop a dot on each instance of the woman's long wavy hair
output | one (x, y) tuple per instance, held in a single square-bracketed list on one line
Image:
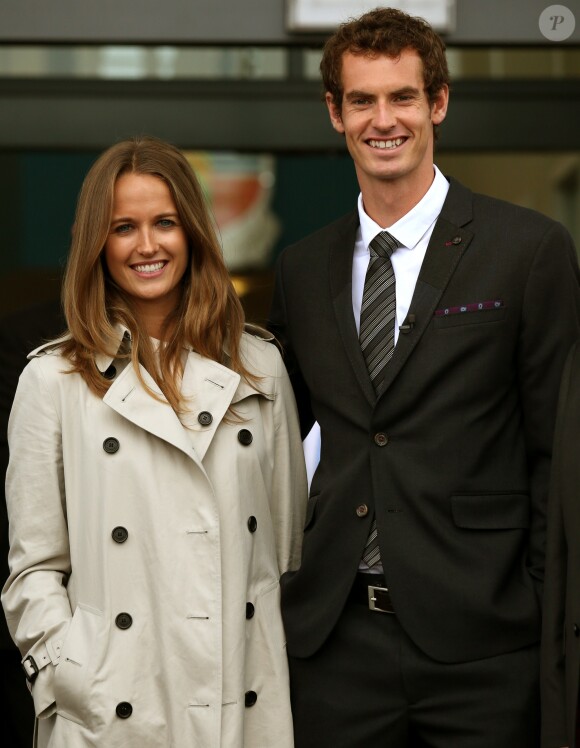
[(209, 317)]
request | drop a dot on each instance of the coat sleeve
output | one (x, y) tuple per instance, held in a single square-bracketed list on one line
[(289, 490), (554, 602), (34, 597), (550, 324)]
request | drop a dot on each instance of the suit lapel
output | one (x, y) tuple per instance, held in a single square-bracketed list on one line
[(447, 245), (340, 274)]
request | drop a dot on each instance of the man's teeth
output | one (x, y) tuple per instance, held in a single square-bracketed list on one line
[(149, 268), (386, 143)]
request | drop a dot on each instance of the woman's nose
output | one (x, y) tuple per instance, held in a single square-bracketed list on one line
[(147, 243)]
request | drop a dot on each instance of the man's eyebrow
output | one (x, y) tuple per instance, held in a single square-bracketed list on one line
[(406, 90), (358, 95)]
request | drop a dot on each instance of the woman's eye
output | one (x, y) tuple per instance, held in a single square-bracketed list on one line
[(122, 228), (166, 223)]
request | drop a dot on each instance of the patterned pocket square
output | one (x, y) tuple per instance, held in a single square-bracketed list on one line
[(477, 306)]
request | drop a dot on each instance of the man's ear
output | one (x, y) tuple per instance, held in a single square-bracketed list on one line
[(439, 105), (334, 112)]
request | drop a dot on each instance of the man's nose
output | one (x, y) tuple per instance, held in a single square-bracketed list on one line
[(384, 118)]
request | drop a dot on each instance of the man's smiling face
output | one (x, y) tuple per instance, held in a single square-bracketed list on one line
[(387, 119)]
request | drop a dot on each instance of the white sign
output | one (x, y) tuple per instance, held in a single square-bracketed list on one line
[(326, 15)]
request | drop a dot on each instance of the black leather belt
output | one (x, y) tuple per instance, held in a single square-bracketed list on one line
[(371, 590)]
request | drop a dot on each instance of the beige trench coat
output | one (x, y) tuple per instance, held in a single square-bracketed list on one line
[(145, 557)]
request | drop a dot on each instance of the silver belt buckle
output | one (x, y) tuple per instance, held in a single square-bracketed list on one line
[(375, 600)]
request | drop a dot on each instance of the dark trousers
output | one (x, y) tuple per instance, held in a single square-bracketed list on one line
[(369, 686), (17, 706)]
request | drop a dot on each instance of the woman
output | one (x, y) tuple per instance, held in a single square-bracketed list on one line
[(156, 489), (561, 609)]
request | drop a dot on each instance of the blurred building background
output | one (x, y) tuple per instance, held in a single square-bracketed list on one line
[(236, 84)]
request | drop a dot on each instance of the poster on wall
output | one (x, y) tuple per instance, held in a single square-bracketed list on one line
[(326, 15), (239, 188)]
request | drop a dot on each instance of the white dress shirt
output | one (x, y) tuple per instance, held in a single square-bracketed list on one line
[(413, 231)]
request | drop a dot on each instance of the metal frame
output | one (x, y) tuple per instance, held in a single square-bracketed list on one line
[(284, 116)]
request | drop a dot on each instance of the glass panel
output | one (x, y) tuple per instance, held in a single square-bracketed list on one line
[(254, 63), (138, 62), (492, 62)]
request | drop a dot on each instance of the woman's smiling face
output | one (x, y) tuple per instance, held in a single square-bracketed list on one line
[(146, 251)]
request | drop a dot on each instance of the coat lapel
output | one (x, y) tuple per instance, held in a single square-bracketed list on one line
[(207, 385), (210, 388), (340, 274)]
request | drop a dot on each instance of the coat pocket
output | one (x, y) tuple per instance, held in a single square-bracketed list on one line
[(71, 678), (491, 511)]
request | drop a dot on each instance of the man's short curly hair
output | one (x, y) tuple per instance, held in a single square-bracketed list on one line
[(385, 31)]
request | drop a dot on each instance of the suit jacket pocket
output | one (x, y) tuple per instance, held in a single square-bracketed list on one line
[(446, 321), (491, 511)]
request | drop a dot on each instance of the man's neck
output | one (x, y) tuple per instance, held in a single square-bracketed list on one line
[(388, 201)]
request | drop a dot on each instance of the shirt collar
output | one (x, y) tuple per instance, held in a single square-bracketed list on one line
[(409, 229)]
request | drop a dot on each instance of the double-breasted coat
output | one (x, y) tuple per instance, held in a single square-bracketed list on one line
[(146, 551)]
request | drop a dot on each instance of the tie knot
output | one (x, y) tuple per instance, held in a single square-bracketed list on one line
[(384, 244)]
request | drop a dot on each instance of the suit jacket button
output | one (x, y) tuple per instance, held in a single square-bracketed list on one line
[(124, 621), (456, 240), (252, 524), (205, 418), (111, 445), (249, 610), (251, 698), (381, 440), (124, 710), (120, 534), (576, 630), (245, 437), (362, 510)]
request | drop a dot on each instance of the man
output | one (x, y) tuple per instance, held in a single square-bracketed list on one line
[(439, 448)]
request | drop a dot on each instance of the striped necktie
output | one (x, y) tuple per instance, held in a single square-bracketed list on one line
[(377, 334)]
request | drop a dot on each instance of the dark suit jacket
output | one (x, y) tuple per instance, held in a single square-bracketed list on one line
[(561, 625), (459, 481)]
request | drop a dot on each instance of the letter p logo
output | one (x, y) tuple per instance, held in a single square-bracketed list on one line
[(557, 23)]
